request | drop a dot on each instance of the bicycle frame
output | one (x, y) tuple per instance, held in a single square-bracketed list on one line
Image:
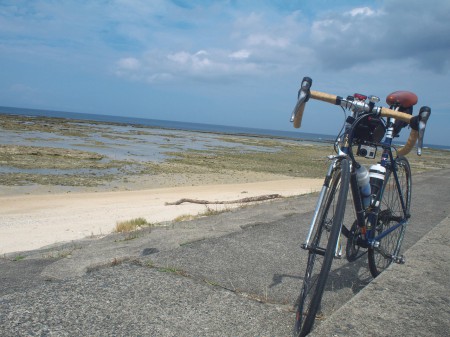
[(380, 197), (369, 239)]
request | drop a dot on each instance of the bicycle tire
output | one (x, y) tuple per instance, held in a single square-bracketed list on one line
[(326, 235), (390, 212)]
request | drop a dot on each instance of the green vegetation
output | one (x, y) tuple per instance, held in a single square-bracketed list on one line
[(290, 159), (58, 126), (172, 270), (22, 179), (131, 225), (149, 263), (185, 217), (55, 166), (208, 212), (431, 159)]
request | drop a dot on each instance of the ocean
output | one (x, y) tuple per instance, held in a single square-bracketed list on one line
[(176, 125)]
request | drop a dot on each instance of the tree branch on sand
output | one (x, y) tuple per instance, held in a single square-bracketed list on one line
[(244, 200)]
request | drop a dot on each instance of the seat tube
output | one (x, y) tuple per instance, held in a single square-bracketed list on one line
[(386, 156)]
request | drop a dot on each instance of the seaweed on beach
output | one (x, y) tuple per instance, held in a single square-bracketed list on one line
[(53, 151), (288, 159)]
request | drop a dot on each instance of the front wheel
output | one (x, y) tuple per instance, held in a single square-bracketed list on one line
[(322, 248), (390, 214)]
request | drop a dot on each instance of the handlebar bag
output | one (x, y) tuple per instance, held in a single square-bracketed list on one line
[(370, 129)]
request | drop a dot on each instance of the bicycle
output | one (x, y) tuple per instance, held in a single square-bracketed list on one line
[(382, 209)]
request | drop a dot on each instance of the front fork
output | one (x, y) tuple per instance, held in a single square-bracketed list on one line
[(314, 226)]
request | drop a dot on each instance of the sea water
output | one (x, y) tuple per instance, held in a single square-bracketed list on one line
[(165, 124)]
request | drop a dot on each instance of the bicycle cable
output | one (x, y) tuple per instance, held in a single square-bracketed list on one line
[(340, 132)]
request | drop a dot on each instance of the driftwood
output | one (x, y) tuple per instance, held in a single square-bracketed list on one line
[(244, 200)]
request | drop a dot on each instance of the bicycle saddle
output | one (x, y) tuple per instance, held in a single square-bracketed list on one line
[(404, 99)]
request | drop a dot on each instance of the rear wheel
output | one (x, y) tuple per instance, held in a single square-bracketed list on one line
[(322, 249), (390, 214)]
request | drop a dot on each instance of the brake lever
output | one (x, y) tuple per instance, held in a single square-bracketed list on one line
[(419, 124), (302, 97)]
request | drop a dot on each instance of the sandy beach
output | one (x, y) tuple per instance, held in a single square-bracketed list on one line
[(34, 221)]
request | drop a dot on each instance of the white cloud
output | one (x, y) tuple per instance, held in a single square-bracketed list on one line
[(266, 40), (393, 32), (158, 78), (362, 11), (240, 54), (206, 40), (129, 63), (250, 45), (180, 57), (203, 65), (191, 62)]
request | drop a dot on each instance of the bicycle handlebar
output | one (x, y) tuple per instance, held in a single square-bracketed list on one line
[(337, 100), (302, 98), (417, 123)]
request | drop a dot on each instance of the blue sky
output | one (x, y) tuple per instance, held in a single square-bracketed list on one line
[(224, 62)]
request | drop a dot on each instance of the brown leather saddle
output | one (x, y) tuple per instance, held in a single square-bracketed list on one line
[(403, 99)]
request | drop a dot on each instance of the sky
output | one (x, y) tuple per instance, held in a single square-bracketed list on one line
[(226, 62)]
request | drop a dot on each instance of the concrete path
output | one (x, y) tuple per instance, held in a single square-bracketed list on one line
[(234, 274), (406, 300)]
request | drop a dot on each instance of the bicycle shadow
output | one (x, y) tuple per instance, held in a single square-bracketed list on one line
[(350, 275), (277, 279), (345, 280), (356, 273)]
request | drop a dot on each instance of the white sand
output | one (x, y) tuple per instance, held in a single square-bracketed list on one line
[(33, 221)]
